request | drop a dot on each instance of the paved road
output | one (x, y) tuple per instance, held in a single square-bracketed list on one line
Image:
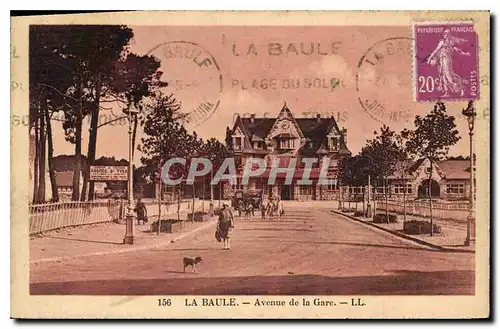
[(310, 251)]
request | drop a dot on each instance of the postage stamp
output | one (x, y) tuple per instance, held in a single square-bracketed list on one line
[(247, 165), (446, 61)]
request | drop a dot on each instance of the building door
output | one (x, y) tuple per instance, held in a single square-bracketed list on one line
[(286, 192), (423, 189)]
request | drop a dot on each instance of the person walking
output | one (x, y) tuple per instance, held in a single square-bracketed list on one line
[(225, 226), (279, 206), (142, 212)]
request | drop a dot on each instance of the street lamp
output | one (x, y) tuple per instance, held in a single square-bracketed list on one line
[(129, 221), (470, 114), (369, 212)]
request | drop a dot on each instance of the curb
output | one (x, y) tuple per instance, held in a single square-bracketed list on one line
[(405, 236), (124, 250)]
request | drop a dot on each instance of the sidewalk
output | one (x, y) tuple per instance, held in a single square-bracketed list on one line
[(451, 238), (107, 238)]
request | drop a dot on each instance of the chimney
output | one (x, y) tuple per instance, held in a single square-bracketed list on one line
[(252, 118), (318, 117)]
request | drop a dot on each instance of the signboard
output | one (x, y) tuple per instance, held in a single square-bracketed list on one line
[(107, 173)]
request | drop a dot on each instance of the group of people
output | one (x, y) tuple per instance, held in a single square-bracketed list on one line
[(274, 207), (225, 225), (270, 209)]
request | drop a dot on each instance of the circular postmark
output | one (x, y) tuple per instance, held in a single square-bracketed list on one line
[(384, 80), (193, 76)]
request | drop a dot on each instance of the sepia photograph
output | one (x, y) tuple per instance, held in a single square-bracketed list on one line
[(238, 166)]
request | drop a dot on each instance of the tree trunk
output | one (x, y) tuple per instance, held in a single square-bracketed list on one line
[(404, 202), (220, 193), (429, 191), (78, 148), (348, 198), (134, 134), (159, 196), (386, 183), (194, 188), (364, 201), (41, 162), (179, 202), (50, 155), (35, 164), (94, 121)]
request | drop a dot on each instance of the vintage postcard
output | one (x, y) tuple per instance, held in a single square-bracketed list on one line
[(225, 165)]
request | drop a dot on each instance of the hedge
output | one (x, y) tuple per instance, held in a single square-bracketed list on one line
[(420, 227), (382, 218)]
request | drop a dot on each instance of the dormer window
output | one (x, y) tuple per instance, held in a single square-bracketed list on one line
[(258, 145), (286, 143), (237, 143), (334, 143)]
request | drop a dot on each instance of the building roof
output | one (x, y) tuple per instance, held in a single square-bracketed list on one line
[(64, 178), (313, 129), (449, 169), (455, 169)]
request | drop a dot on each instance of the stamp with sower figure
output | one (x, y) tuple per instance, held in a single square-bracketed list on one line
[(446, 61)]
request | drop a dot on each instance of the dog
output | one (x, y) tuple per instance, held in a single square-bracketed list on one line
[(190, 261)]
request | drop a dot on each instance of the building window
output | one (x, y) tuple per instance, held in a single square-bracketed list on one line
[(332, 186), (311, 145), (380, 190), (258, 145), (237, 144), (286, 143), (455, 188), (305, 190), (334, 143), (400, 188), (356, 190)]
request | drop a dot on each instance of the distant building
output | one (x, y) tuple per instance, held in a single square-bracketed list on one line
[(286, 137), (450, 180), (64, 182)]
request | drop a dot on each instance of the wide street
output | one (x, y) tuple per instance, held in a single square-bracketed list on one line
[(310, 251)]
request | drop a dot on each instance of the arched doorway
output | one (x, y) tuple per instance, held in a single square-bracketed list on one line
[(423, 188)]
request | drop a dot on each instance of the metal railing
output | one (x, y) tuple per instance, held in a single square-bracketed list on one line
[(51, 216), (455, 211)]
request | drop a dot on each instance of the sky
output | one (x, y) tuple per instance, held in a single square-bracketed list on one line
[(362, 75)]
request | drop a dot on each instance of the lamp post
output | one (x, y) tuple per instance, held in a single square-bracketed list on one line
[(129, 220), (470, 114), (369, 212)]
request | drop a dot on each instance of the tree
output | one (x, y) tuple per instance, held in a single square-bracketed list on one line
[(216, 152), (431, 139), (47, 85), (384, 154), (131, 79), (403, 164), (87, 66), (165, 138)]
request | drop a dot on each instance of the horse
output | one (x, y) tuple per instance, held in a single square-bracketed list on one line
[(248, 210), (270, 209)]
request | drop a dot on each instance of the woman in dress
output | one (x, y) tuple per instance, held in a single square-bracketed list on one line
[(449, 81), (225, 226)]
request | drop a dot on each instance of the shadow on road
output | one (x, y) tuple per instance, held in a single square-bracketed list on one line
[(396, 283), (186, 249), (84, 240), (277, 229)]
